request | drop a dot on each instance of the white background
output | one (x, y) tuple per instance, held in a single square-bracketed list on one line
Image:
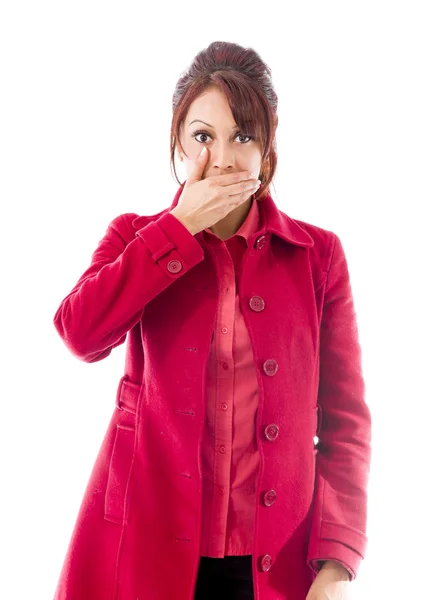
[(85, 116)]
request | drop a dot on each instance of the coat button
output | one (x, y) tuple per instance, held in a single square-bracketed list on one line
[(174, 266), (259, 242), (269, 497), (271, 432), (256, 303), (270, 367), (266, 562)]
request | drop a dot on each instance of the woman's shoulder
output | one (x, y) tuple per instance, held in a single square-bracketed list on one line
[(127, 224), (323, 239), (315, 231)]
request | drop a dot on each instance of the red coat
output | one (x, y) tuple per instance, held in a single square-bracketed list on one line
[(154, 284)]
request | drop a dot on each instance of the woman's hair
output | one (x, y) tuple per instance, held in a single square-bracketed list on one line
[(246, 81)]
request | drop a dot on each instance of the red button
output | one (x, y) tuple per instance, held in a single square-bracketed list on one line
[(269, 497), (260, 242), (256, 303), (271, 432), (174, 266), (266, 562), (270, 367)]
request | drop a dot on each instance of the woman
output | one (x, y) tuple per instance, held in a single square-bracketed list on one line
[(242, 347)]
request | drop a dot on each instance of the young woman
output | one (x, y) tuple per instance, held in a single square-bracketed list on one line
[(236, 462)]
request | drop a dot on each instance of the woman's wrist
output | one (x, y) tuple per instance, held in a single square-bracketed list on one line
[(336, 567)]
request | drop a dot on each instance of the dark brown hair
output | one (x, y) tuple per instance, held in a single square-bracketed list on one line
[(246, 81)]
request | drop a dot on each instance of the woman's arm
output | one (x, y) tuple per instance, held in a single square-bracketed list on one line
[(343, 458), (127, 270)]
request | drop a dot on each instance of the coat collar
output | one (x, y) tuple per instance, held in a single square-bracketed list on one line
[(272, 220)]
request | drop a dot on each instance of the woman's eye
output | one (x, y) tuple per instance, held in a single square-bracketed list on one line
[(242, 135), (200, 133), (204, 133)]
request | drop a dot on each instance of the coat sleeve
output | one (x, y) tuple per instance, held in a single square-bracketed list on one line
[(338, 529), (124, 275)]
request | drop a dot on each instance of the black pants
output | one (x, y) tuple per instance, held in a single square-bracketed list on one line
[(229, 577)]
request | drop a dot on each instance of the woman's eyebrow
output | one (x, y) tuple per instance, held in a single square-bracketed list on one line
[(236, 126)]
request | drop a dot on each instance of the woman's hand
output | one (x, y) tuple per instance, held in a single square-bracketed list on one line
[(205, 202), (331, 583)]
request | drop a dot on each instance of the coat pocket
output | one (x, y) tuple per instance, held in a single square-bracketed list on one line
[(122, 455), (118, 474)]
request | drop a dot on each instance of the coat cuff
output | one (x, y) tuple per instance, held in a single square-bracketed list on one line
[(337, 542)]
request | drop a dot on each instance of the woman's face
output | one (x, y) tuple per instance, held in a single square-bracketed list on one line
[(230, 150)]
